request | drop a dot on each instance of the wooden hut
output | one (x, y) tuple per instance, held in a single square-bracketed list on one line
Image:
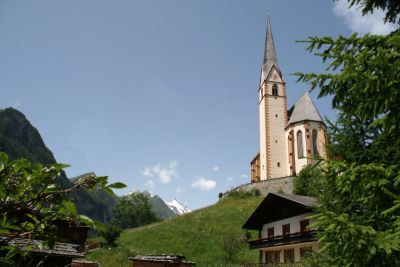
[(161, 261)]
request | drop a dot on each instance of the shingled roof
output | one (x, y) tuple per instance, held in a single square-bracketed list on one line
[(304, 110), (39, 247), (161, 258)]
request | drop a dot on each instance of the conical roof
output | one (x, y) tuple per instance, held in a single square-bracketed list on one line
[(269, 53), (304, 110)]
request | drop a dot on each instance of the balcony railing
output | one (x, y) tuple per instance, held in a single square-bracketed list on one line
[(294, 238)]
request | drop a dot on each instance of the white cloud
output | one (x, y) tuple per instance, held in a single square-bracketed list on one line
[(203, 184), (370, 23), (147, 172), (215, 168), (164, 173), (230, 178)]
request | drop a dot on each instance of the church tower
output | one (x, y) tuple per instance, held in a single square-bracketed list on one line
[(272, 114), (289, 139)]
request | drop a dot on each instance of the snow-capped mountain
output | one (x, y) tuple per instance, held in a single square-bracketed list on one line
[(177, 207)]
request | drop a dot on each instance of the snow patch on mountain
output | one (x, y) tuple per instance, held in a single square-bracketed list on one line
[(177, 207)]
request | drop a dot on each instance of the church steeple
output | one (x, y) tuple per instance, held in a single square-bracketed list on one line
[(286, 144), (269, 53)]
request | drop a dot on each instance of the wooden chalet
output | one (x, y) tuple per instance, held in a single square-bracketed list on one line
[(284, 229)]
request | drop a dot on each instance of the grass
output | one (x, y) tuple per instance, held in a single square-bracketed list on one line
[(197, 235)]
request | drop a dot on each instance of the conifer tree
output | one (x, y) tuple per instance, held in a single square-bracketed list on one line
[(359, 216)]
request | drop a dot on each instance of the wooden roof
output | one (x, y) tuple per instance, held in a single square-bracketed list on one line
[(278, 206)]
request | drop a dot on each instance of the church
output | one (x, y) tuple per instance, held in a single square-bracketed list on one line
[(289, 138)]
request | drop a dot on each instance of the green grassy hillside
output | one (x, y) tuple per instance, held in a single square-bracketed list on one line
[(197, 235)]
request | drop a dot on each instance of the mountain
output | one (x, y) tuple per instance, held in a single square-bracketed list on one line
[(19, 139), (159, 207), (177, 207), (197, 235), (99, 195)]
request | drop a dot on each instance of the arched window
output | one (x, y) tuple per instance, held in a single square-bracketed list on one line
[(275, 89), (300, 149), (315, 142)]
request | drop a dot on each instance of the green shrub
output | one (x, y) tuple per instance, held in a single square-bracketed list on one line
[(231, 245), (239, 194), (110, 233), (256, 192)]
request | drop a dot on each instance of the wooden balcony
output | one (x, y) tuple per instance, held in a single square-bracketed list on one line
[(282, 240)]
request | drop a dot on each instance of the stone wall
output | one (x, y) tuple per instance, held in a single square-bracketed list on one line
[(277, 185)]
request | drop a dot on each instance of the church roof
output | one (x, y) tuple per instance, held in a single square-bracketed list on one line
[(269, 53), (304, 110)]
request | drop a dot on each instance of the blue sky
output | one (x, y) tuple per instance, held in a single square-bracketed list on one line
[(161, 95)]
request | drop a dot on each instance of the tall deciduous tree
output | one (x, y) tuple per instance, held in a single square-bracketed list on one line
[(359, 217), (132, 211)]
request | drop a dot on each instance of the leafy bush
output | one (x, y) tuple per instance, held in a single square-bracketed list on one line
[(247, 235), (256, 192), (110, 233), (31, 201), (133, 211), (231, 245), (239, 194)]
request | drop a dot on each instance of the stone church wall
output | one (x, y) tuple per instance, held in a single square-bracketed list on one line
[(277, 185)]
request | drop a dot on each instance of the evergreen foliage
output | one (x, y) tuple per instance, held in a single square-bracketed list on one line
[(359, 217), (132, 211), (390, 7), (309, 182)]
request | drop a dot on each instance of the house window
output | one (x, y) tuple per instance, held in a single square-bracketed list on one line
[(272, 257), (270, 232), (275, 89), (304, 225), (279, 164), (300, 152), (286, 229), (315, 142), (288, 256)]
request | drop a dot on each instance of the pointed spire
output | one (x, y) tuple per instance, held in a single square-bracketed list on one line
[(269, 53)]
